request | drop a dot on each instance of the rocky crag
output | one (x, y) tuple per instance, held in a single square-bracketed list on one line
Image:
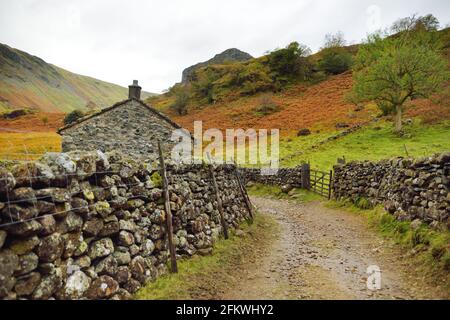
[(229, 55)]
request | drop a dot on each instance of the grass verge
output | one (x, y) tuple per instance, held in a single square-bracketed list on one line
[(208, 277), (429, 249)]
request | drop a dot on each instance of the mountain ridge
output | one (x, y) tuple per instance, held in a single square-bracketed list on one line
[(27, 81)]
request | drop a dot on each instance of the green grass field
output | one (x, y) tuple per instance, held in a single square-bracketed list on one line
[(374, 142)]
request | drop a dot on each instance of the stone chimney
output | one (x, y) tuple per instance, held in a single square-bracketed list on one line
[(134, 91)]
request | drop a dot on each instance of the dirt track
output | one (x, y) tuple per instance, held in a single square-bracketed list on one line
[(324, 253)]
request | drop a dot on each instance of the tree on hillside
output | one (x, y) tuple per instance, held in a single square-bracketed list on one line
[(393, 70), (334, 58), (335, 61), (289, 63), (181, 100), (335, 40), (417, 23)]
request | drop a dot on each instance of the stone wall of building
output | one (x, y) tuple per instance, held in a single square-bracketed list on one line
[(130, 128), (410, 189), (92, 226)]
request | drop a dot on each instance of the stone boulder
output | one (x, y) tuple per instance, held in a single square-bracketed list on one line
[(76, 285), (50, 248), (102, 288), (101, 248)]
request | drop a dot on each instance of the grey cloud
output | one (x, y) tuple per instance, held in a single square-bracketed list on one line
[(153, 41)]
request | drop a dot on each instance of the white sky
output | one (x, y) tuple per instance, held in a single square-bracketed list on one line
[(154, 40)]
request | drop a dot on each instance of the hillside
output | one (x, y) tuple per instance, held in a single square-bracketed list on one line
[(319, 107), (233, 95), (27, 81), (229, 55)]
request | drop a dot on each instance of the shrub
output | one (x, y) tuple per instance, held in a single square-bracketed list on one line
[(290, 63), (255, 78), (181, 102), (335, 40), (17, 113), (45, 120), (73, 116), (267, 106), (203, 83), (335, 61)]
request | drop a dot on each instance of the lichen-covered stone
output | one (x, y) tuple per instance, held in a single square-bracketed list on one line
[(83, 262), (23, 246), (48, 285), (32, 173), (48, 224), (103, 208), (102, 287), (15, 213), (76, 285), (110, 229), (24, 229), (72, 242), (147, 248), (9, 262), (123, 258), (58, 195), (70, 222), (101, 248), (27, 263), (50, 248), (126, 238), (123, 275), (7, 181), (107, 266), (27, 284), (93, 227), (23, 195)]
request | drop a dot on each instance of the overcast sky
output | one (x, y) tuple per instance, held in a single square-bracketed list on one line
[(154, 40)]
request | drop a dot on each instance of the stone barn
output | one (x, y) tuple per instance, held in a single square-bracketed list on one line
[(130, 126)]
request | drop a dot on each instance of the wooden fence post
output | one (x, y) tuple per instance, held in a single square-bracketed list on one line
[(305, 176), (330, 185), (218, 198), (248, 204), (173, 257)]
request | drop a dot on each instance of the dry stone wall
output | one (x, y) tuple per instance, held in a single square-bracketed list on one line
[(410, 189), (92, 226), (283, 177)]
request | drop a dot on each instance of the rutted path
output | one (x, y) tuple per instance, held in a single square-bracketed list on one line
[(324, 253)]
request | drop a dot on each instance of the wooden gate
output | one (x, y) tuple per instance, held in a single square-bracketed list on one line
[(320, 182)]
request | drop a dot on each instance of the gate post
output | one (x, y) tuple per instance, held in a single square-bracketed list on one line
[(305, 175)]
